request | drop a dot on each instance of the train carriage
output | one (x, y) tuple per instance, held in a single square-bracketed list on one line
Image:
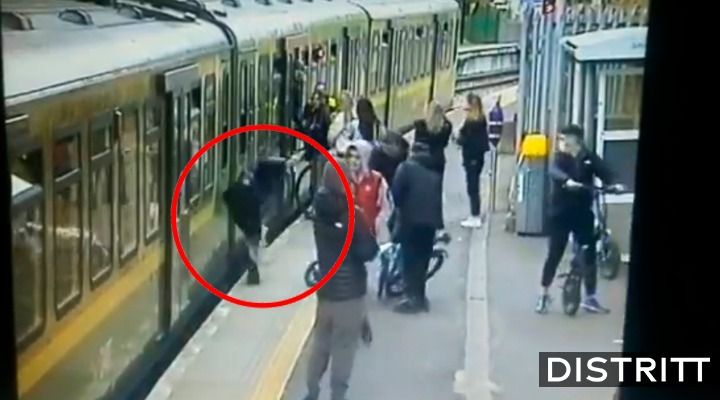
[(91, 131)]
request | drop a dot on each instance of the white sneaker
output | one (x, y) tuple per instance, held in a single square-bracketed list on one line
[(472, 222)]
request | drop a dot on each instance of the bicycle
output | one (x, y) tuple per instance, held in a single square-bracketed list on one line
[(572, 286), (390, 282)]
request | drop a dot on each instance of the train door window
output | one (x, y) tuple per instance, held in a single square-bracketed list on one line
[(448, 43), (208, 159), (263, 101), (224, 116), (129, 193), (384, 51), (374, 49), (153, 171), (403, 56), (28, 244), (194, 178), (101, 200), (67, 221), (335, 67)]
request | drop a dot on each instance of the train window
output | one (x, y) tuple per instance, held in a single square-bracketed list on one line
[(128, 185), (28, 245), (68, 226), (101, 203), (152, 188), (208, 159), (153, 116)]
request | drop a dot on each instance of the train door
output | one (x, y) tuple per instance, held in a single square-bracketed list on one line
[(181, 87)]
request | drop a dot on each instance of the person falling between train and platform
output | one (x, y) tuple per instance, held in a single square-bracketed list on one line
[(244, 200), (417, 197), (370, 190), (340, 317), (473, 139)]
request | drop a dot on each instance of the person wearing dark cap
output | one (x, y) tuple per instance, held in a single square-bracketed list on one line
[(417, 194), (340, 318)]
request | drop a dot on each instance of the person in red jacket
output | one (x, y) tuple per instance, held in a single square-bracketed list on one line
[(370, 190)]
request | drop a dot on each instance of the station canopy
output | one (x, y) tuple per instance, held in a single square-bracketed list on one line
[(608, 45)]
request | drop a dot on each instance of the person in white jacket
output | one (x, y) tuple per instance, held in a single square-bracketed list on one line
[(343, 129)]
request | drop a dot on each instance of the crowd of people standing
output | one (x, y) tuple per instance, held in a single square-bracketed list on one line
[(398, 193)]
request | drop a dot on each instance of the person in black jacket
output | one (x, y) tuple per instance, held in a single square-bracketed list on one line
[(340, 319), (386, 157), (417, 194), (473, 139), (435, 131), (572, 171), (244, 200)]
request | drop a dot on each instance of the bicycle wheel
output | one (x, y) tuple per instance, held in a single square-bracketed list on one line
[(571, 291), (436, 261), (608, 260), (312, 274), (394, 286)]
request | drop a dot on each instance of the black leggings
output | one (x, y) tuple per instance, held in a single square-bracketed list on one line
[(581, 225), (472, 178), (417, 248)]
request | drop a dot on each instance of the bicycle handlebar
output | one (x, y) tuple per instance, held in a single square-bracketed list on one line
[(611, 189)]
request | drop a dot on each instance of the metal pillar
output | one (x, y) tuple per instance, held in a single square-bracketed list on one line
[(577, 93)]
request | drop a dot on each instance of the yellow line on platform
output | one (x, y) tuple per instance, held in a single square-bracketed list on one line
[(277, 371)]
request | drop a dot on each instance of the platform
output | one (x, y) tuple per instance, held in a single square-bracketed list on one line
[(479, 342)]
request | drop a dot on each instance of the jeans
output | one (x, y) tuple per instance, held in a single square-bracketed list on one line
[(581, 224), (473, 169), (336, 334)]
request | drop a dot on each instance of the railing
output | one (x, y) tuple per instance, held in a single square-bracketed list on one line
[(486, 66)]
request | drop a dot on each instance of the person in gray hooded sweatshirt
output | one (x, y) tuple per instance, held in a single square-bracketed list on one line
[(340, 319)]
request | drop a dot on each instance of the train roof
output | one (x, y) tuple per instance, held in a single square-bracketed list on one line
[(387, 9), (48, 48)]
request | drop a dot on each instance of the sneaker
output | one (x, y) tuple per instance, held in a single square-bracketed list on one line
[(542, 304), (408, 307), (472, 222), (593, 306)]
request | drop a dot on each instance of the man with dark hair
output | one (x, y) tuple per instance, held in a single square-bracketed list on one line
[(572, 172)]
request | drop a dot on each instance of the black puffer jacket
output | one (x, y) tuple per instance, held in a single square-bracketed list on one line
[(386, 157), (350, 281), (583, 168), (417, 191)]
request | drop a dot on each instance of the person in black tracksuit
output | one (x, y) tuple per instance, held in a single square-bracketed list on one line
[(417, 194), (244, 201), (473, 139), (571, 204), (341, 319)]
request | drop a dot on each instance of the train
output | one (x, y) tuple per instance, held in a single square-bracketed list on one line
[(107, 100)]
